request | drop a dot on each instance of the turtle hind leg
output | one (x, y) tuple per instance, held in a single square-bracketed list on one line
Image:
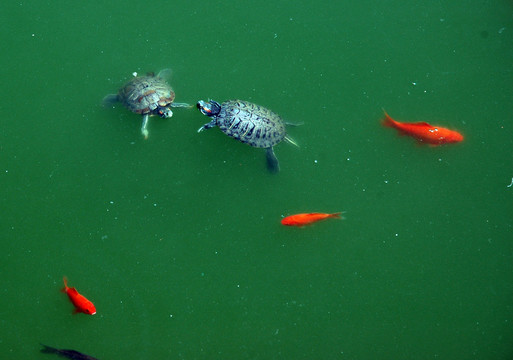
[(273, 164), (144, 130), (110, 100)]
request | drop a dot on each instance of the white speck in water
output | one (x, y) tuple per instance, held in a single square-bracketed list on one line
[(134, 73)]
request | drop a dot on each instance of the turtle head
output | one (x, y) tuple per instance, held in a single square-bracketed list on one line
[(164, 112), (210, 108)]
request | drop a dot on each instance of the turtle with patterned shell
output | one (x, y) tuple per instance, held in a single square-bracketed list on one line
[(147, 95), (248, 123)]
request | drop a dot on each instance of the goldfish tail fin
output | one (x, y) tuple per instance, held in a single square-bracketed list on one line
[(387, 120), (65, 279), (338, 215), (49, 349)]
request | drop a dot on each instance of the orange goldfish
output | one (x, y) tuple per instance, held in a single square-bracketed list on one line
[(424, 132), (79, 301), (306, 219)]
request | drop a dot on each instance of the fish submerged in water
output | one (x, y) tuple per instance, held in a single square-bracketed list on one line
[(307, 219), (424, 132), (79, 301), (70, 354)]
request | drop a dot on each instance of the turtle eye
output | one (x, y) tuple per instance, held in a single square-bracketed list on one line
[(164, 112), (204, 108)]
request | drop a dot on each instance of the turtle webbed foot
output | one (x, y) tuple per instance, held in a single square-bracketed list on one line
[(207, 126), (273, 164)]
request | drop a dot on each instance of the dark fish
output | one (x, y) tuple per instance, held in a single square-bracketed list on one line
[(70, 354)]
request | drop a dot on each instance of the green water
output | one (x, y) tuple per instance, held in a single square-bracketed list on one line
[(177, 240)]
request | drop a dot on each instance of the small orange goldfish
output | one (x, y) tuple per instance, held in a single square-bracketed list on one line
[(81, 303), (424, 132), (307, 219)]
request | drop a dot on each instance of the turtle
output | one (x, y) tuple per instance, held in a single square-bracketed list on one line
[(147, 95), (248, 123)]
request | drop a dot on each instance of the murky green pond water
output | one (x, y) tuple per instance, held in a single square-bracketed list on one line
[(177, 240)]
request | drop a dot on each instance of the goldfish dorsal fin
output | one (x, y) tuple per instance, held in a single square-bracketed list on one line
[(72, 291), (423, 123)]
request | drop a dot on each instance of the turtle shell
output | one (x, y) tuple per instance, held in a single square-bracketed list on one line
[(146, 94), (251, 124)]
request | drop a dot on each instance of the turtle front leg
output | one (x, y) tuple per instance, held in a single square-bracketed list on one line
[(208, 125), (181, 105), (144, 131)]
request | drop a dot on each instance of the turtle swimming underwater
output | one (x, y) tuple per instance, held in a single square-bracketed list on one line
[(249, 123), (147, 95)]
